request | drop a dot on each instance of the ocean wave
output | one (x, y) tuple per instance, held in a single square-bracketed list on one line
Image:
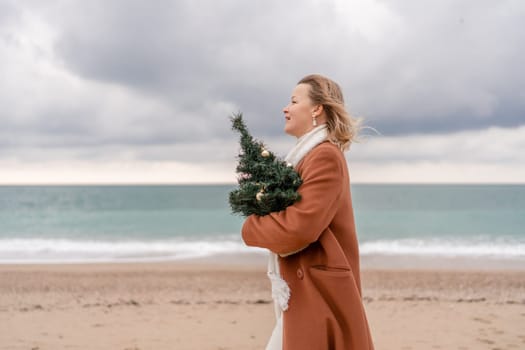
[(446, 248), (66, 250), (73, 251)]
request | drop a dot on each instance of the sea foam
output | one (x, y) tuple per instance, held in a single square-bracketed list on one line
[(445, 248), (77, 251), (74, 251)]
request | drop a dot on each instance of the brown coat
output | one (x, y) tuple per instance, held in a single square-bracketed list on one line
[(325, 308)]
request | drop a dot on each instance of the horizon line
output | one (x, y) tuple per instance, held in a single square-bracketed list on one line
[(234, 183)]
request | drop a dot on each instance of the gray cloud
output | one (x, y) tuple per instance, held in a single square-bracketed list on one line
[(8, 13), (446, 60), (454, 67), (170, 72), (187, 52)]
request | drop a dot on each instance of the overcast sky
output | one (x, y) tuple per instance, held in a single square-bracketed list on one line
[(141, 91)]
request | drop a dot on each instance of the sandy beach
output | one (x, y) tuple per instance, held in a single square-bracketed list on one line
[(210, 305)]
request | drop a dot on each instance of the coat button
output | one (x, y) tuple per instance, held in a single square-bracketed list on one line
[(300, 274)]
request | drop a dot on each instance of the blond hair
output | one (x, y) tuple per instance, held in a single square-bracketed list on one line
[(342, 127)]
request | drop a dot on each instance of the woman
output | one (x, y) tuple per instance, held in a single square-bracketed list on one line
[(315, 266)]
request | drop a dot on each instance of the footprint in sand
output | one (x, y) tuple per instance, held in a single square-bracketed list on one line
[(496, 331), (485, 341), (482, 320)]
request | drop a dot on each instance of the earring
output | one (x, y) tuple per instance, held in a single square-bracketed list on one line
[(314, 120)]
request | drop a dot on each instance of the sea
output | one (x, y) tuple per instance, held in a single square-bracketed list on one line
[(92, 224)]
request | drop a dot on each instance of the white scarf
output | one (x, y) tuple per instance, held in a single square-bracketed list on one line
[(280, 290)]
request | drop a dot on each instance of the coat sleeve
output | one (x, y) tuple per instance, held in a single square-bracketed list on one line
[(302, 223)]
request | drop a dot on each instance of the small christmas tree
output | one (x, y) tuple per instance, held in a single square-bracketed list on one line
[(266, 183)]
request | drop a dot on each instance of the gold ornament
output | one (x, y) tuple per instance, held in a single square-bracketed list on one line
[(259, 196), (265, 153)]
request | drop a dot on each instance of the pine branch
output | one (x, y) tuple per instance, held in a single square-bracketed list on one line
[(266, 183)]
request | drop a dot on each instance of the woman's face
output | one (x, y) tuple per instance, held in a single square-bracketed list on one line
[(298, 113)]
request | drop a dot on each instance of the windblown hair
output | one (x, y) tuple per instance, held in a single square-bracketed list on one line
[(342, 127)]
